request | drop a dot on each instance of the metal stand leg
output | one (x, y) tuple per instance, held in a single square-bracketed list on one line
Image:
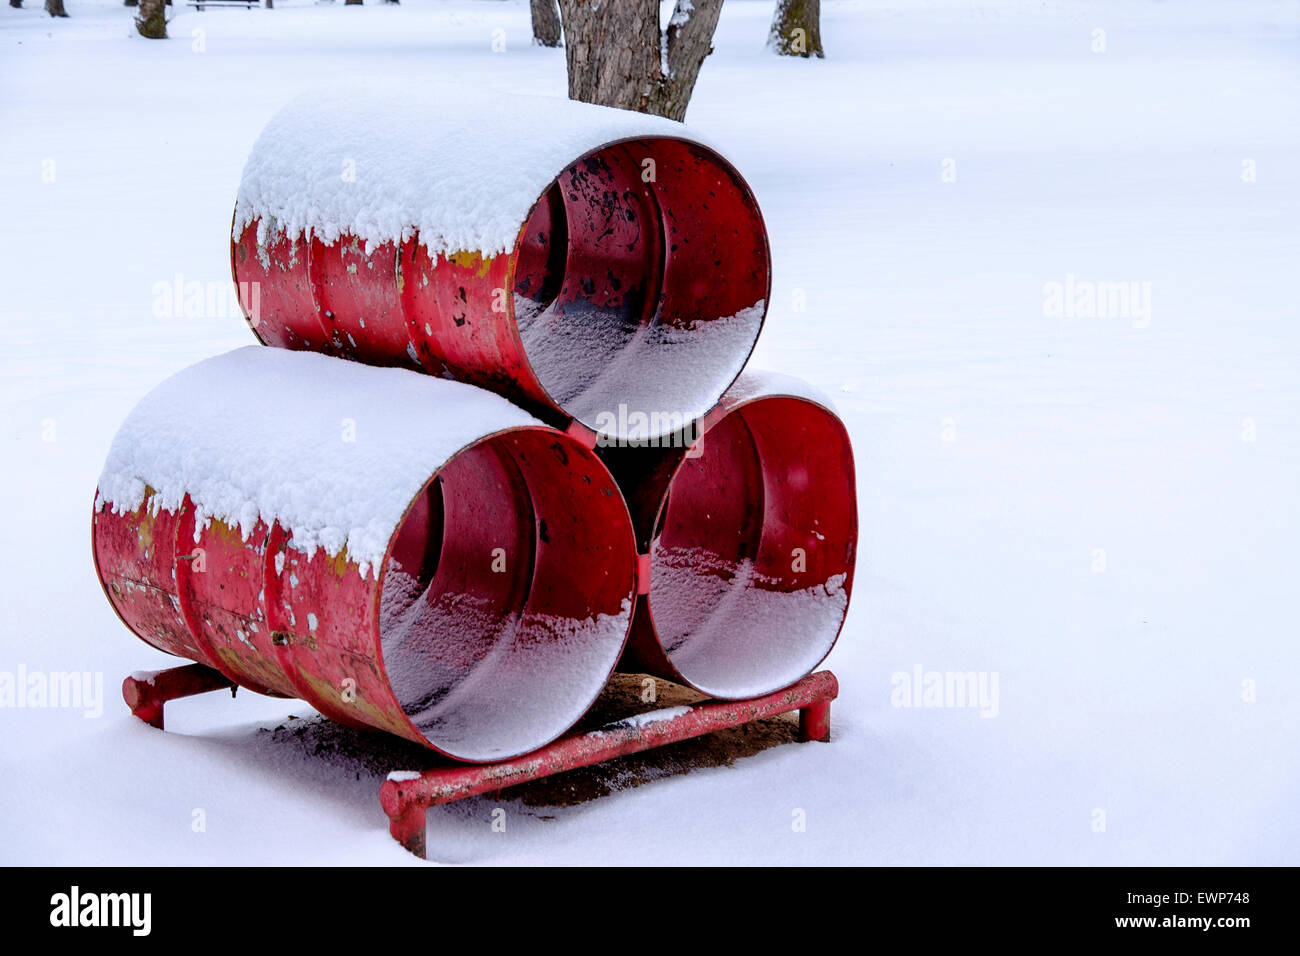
[(147, 695), (406, 818), (815, 721)]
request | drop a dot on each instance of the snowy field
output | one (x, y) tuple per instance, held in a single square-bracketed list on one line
[(1095, 513)]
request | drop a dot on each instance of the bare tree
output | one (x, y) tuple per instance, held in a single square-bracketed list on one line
[(546, 22), (618, 56), (18, 4), (796, 28), (152, 21), (55, 8)]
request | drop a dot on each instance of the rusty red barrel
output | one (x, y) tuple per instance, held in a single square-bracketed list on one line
[(402, 553), (591, 264), (749, 537)]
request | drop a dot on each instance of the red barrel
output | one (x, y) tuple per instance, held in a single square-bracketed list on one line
[(402, 553), (749, 539), (606, 266)]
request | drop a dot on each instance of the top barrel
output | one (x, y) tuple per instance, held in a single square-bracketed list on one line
[(590, 264)]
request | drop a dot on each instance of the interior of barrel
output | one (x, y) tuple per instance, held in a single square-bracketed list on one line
[(507, 595), (752, 564), (640, 285)]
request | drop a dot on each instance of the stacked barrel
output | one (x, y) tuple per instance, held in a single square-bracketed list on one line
[(519, 449)]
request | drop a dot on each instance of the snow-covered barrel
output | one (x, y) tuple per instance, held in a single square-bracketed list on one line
[(585, 262), (749, 534), (400, 552)]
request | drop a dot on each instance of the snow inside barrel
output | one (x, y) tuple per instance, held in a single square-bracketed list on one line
[(402, 553), (591, 264), (748, 524)]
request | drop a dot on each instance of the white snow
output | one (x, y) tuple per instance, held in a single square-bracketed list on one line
[(997, 449), (731, 632), (332, 450), (460, 165), (665, 371), (648, 718), (487, 686), (762, 383)]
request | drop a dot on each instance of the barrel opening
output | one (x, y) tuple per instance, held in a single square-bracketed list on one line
[(540, 257), (506, 595), (654, 303), (752, 564)]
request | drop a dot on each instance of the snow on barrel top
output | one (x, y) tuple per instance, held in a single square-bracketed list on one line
[(755, 383), (332, 450), (462, 167)]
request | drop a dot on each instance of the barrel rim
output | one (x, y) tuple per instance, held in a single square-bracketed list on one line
[(720, 411), (724, 164), (572, 445)]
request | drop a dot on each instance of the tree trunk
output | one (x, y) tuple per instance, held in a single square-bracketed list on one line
[(131, 3), (352, 3), (18, 4), (152, 21), (797, 28), (55, 8), (546, 22), (618, 56)]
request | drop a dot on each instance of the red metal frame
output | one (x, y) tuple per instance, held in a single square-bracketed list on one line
[(407, 801), (146, 695)]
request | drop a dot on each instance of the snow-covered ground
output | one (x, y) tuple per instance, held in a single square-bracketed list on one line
[(1099, 513)]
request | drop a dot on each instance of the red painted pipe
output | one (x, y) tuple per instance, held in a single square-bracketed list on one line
[(494, 613), (748, 537), (637, 282), (406, 796), (147, 693)]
